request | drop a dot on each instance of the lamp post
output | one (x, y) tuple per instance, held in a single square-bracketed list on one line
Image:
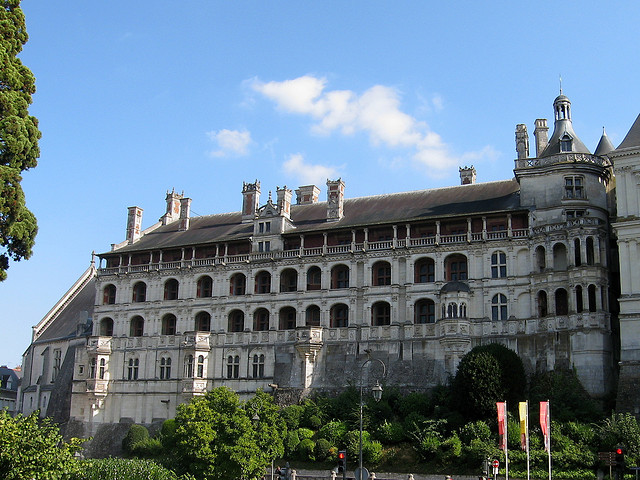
[(376, 390)]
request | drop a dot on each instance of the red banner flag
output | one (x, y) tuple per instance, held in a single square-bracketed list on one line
[(502, 424), (545, 425)]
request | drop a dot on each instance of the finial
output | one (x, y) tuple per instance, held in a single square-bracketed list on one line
[(93, 258), (269, 195), (560, 84)]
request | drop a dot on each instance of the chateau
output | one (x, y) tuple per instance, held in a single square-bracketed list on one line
[(287, 295)]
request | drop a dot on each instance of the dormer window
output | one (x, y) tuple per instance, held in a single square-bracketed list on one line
[(566, 143)]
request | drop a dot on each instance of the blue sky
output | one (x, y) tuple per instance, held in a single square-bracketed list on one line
[(137, 98)]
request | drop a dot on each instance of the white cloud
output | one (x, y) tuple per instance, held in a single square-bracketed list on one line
[(376, 112), (230, 142), (308, 174)]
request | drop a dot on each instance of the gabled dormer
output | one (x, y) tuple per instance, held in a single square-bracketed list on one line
[(271, 221)]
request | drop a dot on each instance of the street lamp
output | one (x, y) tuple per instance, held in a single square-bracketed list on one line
[(376, 390)]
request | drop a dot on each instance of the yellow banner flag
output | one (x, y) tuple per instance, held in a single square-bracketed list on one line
[(523, 408)]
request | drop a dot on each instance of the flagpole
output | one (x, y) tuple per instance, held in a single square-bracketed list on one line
[(506, 446), (549, 440), (527, 437)]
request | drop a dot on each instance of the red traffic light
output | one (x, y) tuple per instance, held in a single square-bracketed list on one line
[(341, 455), (619, 451)]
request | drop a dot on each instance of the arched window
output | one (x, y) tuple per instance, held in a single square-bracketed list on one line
[(288, 280), (381, 273), (287, 318), (590, 251), (233, 366), (139, 292), (314, 278), (106, 327), (237, 284), (169, 324), (103, 368), (258, 366), (312, 316), (263, 282), (576, 248), (109, 295), (579, 301), (591, 292), (452, 310), (498, 264), (171, 289), (425, 271), (136, 327), (261, 320), (205, 287), (499, 307), (188, 366), (541, 258), (340, 276), (425, 311), (200, 367), (132, 369), (456, 268), (203, 322), (165, 368), (559, 256), (542, 304), (339, 316), (380, 314), (562, 302), (236, 321)]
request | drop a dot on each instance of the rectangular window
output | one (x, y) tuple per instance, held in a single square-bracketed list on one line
[(267, 227), (267, 246), (574, 188), (261, 228), (260, 247)]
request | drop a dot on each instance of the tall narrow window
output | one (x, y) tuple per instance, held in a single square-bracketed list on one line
[(236, 321), (140, 292), (103, 369), (381, 273), (137, 326), (562, 302), (590, 251), (380, 314), (203, 322), (542, 304), (498, 265), (188, 366), (577, 256), (132, 369), (579, 301), (233, 366), (200, 367), (169, 324), (312, 316), (57, 361), (165, 368), (92, 367), (425, 311), (340, 276), (109, 295), (339, 316), (591, 293), (204, 287), (314, 277), (541, 262), (237, 284), (171, 289), (261, 320), (425, 271), (258, 366), (499, 307)]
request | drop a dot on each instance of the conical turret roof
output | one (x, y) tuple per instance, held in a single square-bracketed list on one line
[(633, 137), (604, 145)]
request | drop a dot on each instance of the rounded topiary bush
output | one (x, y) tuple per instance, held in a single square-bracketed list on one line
[(136, 434), (322, 451), (306, 449)]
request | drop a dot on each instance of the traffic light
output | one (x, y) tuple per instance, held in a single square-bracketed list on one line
[(619, 462), (342, 462)]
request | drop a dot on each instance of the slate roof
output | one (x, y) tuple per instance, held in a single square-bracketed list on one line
[(78, 309), (632, 140), (604, 145), (358, 212)]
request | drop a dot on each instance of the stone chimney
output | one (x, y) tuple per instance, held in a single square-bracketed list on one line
[(134, 224), (185, 211), (467, 175), (250, 200), (307, 195), (542, 135), (173, 208), (522, 141), (335, 199), (284, 201)]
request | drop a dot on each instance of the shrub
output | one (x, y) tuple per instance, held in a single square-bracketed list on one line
[(391, 433), (305, 433), (333, 431), (322, 449), (136, 434), (372, 452), (306, 449), (116, 468), (291, 442), (292, 415), (311, 415), (478, 430), (149, 448)]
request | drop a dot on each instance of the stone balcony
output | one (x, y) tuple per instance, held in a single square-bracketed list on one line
[(99, 345)]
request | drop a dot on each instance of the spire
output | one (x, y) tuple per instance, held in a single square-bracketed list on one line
[(564, 139), (604, 145)]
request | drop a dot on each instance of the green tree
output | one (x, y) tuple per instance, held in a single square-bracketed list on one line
[(217, 437), (477, 385), (19, 136), (33, 449)]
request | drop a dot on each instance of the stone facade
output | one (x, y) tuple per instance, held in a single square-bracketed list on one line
[(288, 297)]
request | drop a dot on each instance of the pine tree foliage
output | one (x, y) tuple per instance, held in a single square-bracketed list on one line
[(19, 137)]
